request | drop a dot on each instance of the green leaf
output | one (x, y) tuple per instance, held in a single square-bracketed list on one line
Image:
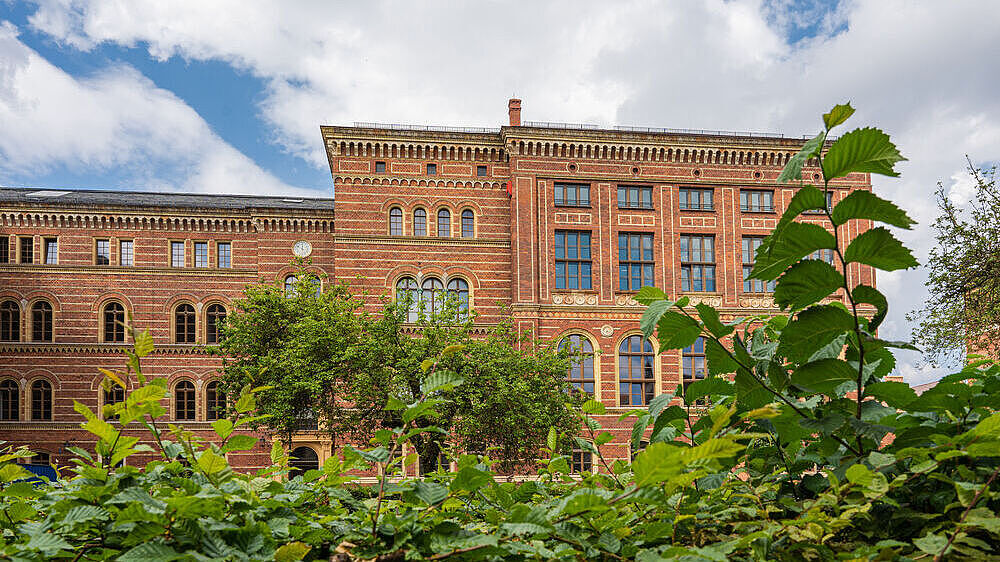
[(440, 380), (649, 294), (859, 474), (291, 552), (211, 462), (824, 375), (710, 317), (143, 345), (651, 316), (877, 247), (714, 386), (452, 349), (422, 409), (812, 329), (239, 443), (676, 331), (837, 115), (246, 402), (796, 241), (656, 463), (712, 449), (593, 407), (430, 492), (931, 543), (223, 427), (870, 295), (83, 513), (49, 543), (861, 150), (150, 552), (862, 204), (719, 360), (793, 169), (806, 283), (552, 439), (898, 395), (470, 479)]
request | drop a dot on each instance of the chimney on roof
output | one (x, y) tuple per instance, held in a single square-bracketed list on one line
[(514, 111)]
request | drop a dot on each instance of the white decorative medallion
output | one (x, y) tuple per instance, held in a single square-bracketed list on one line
[(302, 249)]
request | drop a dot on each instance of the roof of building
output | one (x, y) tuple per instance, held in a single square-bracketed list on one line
[(95, 197)]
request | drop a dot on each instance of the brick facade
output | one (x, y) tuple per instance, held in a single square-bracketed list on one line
[(506, 177)]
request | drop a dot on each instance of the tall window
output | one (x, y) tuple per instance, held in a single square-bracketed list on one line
[(572, 194), (4, 249), (458, 289), (102, 252), (51, 251), (395, 221), (27, 249), (693, 361), (10, 400), (114, 395), (126, 253), (215, 402), (750, 245), (408, 292), (756, 201), (184, 402), (215, 314), (41, 321), (573, 263), (114, 323), (177, 254), (697, 263), (581, 462), (201, 254), (468, 223), (432, 295), (184, 324), (581, 372), (695, 199), (420, 222), (10, 321), (636, 381), (444, 223), (635, 197), (224, 254), (825, 254), (829, 205), (635, 261), (41, 400)]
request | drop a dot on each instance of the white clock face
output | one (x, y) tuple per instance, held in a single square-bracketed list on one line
[(302, 249)]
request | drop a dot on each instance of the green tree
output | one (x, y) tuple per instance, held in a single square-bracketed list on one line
[(962, 310), (335, 364)]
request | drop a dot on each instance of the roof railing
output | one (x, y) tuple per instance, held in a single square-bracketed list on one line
[(432, 128)]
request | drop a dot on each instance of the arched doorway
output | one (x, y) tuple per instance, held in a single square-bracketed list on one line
[(303, 459)]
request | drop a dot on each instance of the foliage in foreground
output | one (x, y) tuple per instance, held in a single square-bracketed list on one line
[(785, 464)]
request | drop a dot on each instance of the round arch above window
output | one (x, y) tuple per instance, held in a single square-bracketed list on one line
[(468, 223), (215, 316), (41, 321), (420, 221), (303, 459), (41, 400), (10, 321), (113, 322), (395, 221), (185, 402), (185, 323), (10, 400)]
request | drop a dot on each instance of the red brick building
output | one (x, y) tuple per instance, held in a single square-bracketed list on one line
[(556, 225)]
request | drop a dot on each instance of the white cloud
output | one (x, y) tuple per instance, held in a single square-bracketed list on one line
[(116, 120), (919, 70)]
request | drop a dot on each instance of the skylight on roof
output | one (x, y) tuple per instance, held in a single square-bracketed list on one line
[(47, 193)]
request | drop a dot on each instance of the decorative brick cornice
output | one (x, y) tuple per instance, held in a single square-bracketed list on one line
[(97, 348), (119, 270), (424, 181), (421, 241)]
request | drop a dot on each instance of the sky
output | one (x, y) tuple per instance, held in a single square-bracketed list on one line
[(227, 96)]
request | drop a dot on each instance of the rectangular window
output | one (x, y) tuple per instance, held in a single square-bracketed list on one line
[(826, 254), (696, 199), (635, 197), (635, 261), (573, 259), (201, 254), (750, 245), (102, 252), (432, 169), (481, 171), (51, 251), (224, 254), (572, 194), (27, 249), (693, 365), (829, 205), (4, 249), (697, 263), (177, 254), (581, 462), (756, 201), (126, 253), (380, 167)]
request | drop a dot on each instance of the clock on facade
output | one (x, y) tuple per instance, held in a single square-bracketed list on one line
[(302, 249)]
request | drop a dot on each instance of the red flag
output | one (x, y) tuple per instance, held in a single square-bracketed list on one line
[(510, 187)]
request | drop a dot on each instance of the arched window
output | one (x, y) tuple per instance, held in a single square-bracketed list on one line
[(41, 400), (215, 402), (431, 295), (636, 381), (395, 221), (10, 321), (408, 293), (10, 398), (114, 323), (184, 324), (214, 316), (693, 362), (303, 459), (184, 402), (458, 289), (468, 223), (292, 281), (420, 222), (581, 373), (41, 321), (444, 223), (114, 395)]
